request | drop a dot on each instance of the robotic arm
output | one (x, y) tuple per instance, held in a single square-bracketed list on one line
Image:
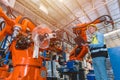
[(22, 47), (80, 30), (8, 25)]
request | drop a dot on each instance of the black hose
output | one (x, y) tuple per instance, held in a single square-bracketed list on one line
[(1, 28), (2, 25), (10, 11), (105, 20), (111, 21)]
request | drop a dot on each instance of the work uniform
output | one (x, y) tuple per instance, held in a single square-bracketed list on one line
[(99, 53)]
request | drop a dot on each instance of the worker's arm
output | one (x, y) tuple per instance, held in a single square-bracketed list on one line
[(100, 43)]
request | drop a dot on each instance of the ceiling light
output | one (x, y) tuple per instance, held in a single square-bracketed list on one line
[(43, 8), (61, 0)]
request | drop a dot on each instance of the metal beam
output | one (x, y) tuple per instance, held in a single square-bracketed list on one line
[(57, 12), (107, 7), (84, 12), (91, 9), (66, 18), (48, 4), (58, 8), (119, 4), (35, 10), (96, 11), (72, 14), (99, 6), (70, 22), (69, 10)]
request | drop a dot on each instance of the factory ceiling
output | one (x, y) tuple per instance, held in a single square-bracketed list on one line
[(67, 13)]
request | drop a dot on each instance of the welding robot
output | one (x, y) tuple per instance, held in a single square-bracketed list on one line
[(26, 42), (79, 30), (81, 37)]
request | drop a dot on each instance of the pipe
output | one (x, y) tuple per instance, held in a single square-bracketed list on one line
[(1, 25)]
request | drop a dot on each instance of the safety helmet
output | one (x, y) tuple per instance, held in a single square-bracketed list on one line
[(93, 25)]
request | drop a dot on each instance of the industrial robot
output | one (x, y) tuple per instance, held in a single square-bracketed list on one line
[(74, 68), (26, 42), (79, 30)]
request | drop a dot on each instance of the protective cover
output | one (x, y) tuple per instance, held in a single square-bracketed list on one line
[(40, 38)]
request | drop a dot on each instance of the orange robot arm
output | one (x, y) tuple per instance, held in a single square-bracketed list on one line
[(8, 27), (8, 20), (9, 24), (26, 23), (80, 31)]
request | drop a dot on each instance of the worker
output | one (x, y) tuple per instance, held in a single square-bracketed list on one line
[(98, 52)]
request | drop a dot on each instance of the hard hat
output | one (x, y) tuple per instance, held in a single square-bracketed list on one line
[(93, 25)]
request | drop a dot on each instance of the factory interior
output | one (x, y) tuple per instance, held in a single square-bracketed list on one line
[(53, 40)]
